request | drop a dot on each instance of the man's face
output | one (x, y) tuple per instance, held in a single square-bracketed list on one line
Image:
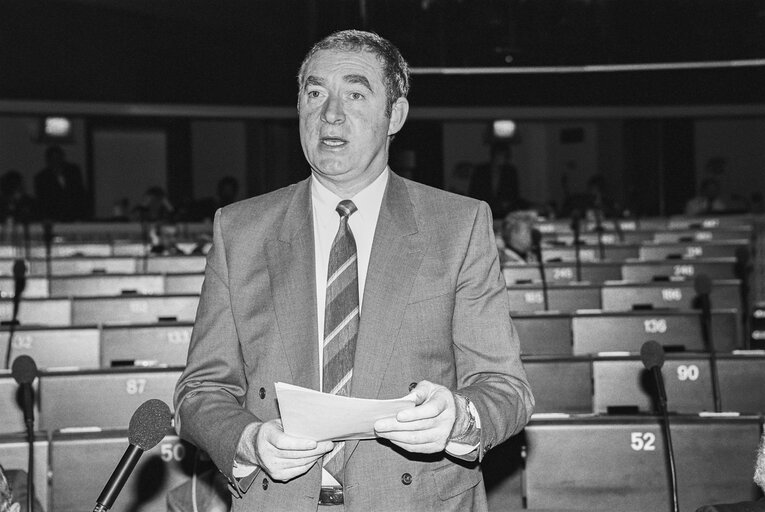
[(343, 126)]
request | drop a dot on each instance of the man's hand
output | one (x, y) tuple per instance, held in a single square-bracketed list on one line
[(426, 427), (282, 456)]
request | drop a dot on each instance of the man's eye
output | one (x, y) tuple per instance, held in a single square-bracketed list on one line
[(313, 94), (357, 96)]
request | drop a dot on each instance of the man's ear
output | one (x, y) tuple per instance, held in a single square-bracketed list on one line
[(398, 116)]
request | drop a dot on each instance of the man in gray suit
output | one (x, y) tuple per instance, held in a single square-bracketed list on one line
[(357, 282)]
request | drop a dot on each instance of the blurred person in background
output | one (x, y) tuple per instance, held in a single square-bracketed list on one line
[(515, 246), (14, 201), (59, 189)]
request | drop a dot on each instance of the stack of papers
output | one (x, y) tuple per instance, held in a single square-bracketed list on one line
[(320, 416)]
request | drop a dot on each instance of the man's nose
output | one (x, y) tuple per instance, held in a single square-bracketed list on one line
[(333, 110)]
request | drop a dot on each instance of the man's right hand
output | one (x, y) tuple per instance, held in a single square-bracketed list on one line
[(282, 456)]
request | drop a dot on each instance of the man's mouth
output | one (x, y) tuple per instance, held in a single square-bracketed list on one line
[(333, 142)]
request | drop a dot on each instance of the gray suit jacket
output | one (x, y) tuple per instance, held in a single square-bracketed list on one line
[(435, 307)]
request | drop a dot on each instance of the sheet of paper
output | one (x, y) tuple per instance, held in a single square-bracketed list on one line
[(320, 416)]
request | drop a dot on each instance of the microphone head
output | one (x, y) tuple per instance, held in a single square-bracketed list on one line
[(19, 269), (652, 355), (149, 424), (702, 284), (24, 369)]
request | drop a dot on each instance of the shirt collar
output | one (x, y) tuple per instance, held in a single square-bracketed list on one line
[(367, 201)]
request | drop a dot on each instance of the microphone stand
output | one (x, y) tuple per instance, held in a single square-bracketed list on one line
[(575, 227), (599, 231), (48, 240), (706, 331), (652, 355), (536, 244), (670, 452)]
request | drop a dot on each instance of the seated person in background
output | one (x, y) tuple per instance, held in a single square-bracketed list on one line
[(164, 237), (227, 193), (154, 206), (759, 479), (516, 238), (60, 193), (13, 491), (708, 201), (14, 201)]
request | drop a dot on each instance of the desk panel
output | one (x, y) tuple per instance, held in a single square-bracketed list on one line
[(689, 250), (55, 347), (134, 309), (163, 344), (609, 464), (742, 383), (563, 273), (56, 312), (544, 333), (560, 384), (176, 264), (627, 331), (564, 298), (668, 294), (624, 382), (184, 283), (106, 285), (104, 399), (36, 287), (12, 417), (645, 271)]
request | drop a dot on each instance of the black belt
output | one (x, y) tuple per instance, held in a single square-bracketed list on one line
[(331, 495)]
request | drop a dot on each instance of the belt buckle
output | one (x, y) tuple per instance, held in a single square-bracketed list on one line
[(331, 495)]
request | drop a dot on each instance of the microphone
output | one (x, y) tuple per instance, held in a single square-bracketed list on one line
[(536, 247), (24, 372), (652, 355), (576, 228), (703, 286), (148, 426), (19, 283)]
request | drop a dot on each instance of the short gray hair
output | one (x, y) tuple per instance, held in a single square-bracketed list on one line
[(395, 68)]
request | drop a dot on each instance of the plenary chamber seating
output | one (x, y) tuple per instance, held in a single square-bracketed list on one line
[(618, 463)]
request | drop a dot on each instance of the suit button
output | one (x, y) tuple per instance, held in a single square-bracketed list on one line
[(265, 484), (262, 392), (406, 479), (412, 386)]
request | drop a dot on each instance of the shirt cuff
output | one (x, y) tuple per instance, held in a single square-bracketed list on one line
[(240, 470)]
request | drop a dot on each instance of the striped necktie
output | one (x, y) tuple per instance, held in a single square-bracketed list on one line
[(341, 322)]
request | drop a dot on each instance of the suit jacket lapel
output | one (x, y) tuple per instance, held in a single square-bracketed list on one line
[(291, 264)]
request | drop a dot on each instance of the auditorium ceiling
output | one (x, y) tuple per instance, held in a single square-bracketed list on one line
[(247, 51)]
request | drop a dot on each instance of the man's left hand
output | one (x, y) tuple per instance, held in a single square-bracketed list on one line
[(426, 427)]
